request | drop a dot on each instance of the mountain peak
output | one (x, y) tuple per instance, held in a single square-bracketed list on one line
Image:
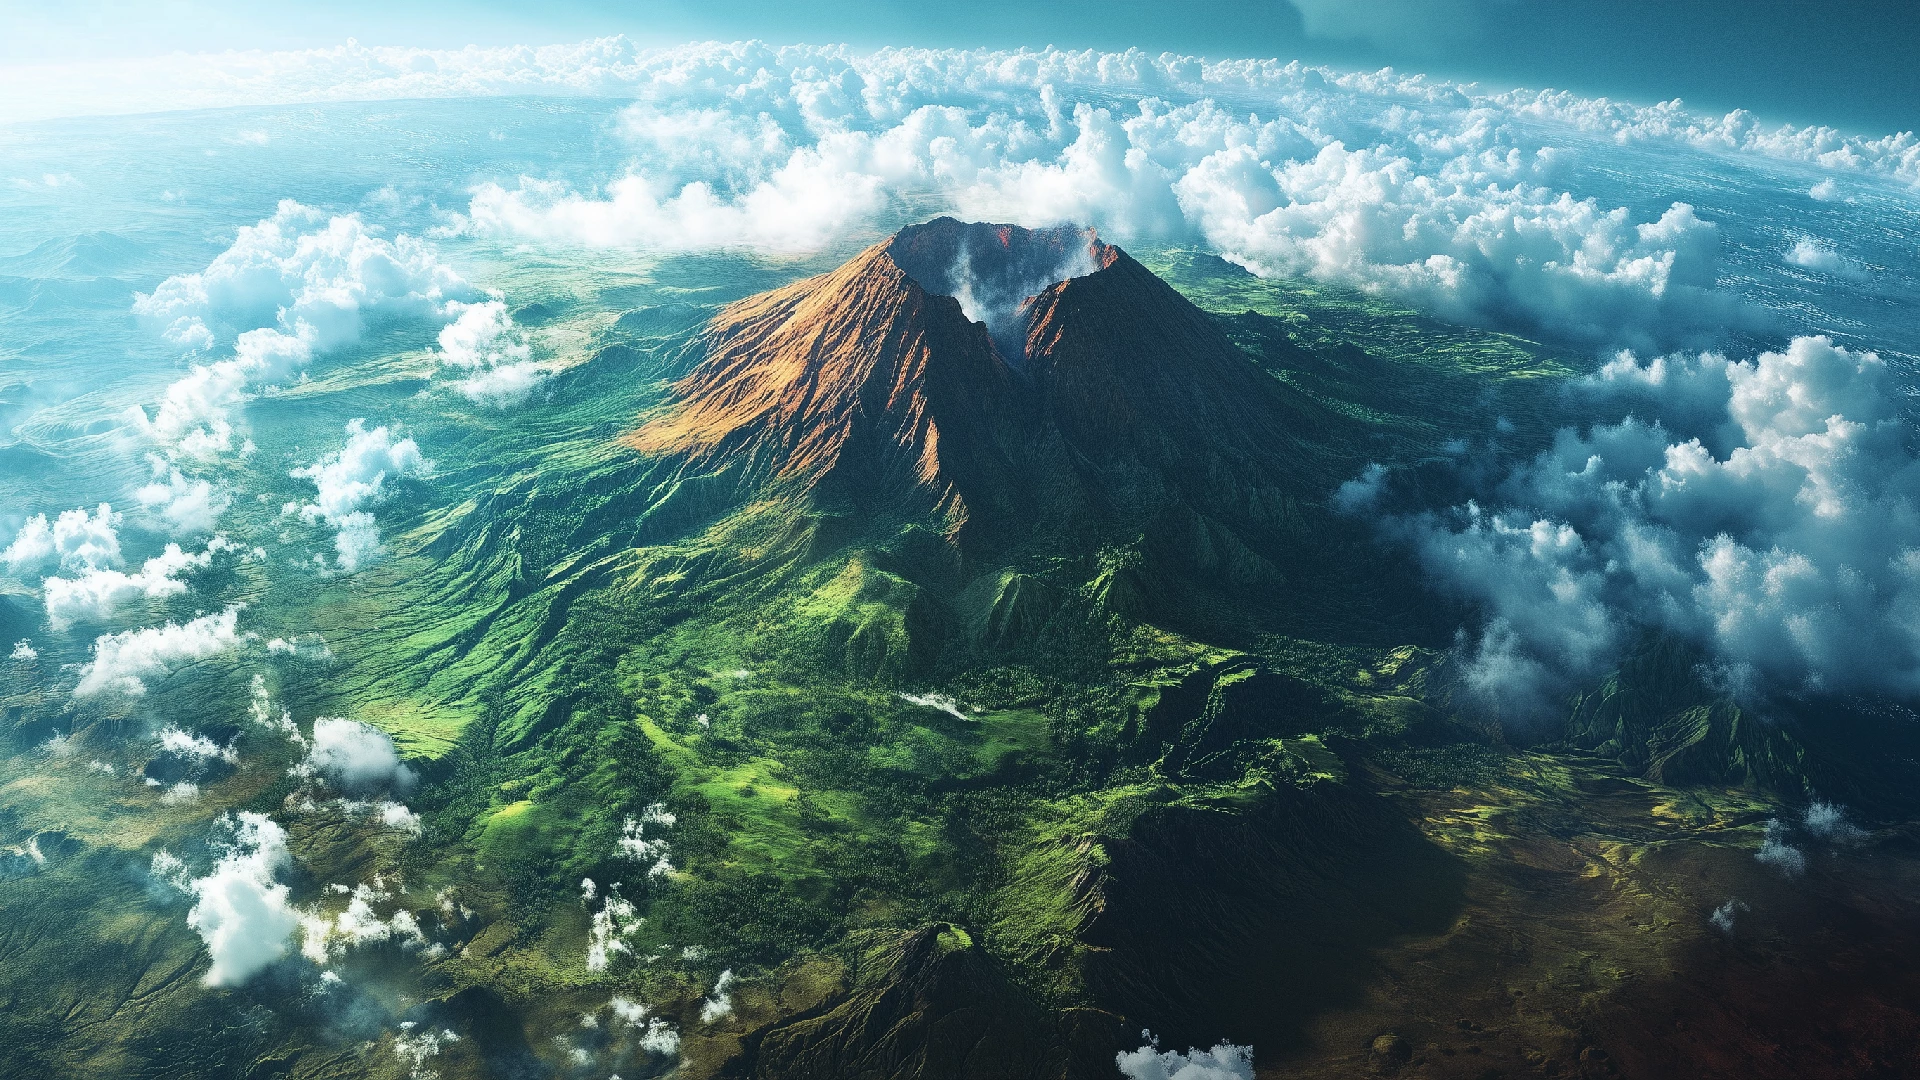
[(992, 271), (998, 372)]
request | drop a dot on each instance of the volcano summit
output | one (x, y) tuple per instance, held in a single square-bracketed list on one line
[(1003, 378)]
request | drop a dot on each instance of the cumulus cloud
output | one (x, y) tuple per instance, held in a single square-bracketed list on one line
[(1396, 184), (492, 353), (187, 506), (186, 744), (654, 1035), (1467, 246), (240, 911), (24, 652), (355, 758), (302, 267), (122, 662), (1768, 510), (76, 540), (1226, 1061), (1723, 916), (180, 793), (1818, 255), (96, 593), (295, 284), (355, 477), (417, 1047)]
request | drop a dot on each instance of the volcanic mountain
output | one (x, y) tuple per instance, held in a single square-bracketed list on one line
[(1002, 378)]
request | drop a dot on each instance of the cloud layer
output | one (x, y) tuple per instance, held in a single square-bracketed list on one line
[(294, 285), (1393, 184), (832, 80), (1767, 509)]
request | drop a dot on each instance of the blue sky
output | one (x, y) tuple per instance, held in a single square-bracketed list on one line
[(1848, 63)]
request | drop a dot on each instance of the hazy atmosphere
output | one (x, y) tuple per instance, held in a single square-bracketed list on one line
[(1199, 541)]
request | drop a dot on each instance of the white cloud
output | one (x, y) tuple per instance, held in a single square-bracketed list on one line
[(483, 342), (1824, 191), (938, 701), (1431, 190), (417, 1048), (189, 506), (607, 934), (95, 594), (1819, 255), (1767, 509), (355, 758), (24, 652), (1776, 852), (1443, 202), (719, 1003), (1467, 246), (655, 1036), (328, 937), (821, 88), (241, 911), (1361, 493), (294, 285), (121, 662), (354, 477), (260, 711), (803, 205), (76, 540), (634, 845), (188, 745), (1739, 131), (309, 647), (396, 816), (1828, 822), (303, 267), (181, 793), (1224, 1062), (1724, 915)]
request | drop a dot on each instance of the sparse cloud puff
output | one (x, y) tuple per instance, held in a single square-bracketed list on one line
[(356, 759), (353, 478), (1225, 1061)]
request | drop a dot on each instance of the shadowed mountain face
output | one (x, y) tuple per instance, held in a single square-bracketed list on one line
[(1004, 378)]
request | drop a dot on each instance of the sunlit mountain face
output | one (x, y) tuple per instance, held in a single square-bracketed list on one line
[(732, 560)]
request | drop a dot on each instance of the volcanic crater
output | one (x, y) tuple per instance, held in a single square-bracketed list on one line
[(1003, 375)]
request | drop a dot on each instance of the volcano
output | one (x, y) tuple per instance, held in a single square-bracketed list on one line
[(1001, 378)]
